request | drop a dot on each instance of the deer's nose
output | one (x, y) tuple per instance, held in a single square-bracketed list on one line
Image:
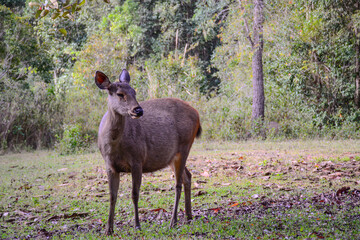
[(138, 111)]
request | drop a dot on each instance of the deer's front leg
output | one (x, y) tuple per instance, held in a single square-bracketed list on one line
[(136, 173), (114, 180)]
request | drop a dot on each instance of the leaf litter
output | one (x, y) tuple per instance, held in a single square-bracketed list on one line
[(330, 184)]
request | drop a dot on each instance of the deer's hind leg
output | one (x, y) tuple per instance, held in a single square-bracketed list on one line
[(187, 191), (178, 167)]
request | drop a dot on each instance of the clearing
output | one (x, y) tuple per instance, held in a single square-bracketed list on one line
[(246, 190)]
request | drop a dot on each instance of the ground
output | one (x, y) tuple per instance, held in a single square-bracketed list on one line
[(246, 190)]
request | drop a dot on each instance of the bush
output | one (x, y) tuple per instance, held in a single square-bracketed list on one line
[(31, 115), (174, 76), (73, 140)]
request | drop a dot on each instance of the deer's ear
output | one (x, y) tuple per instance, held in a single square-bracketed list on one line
[(124, 76), (101, 80)]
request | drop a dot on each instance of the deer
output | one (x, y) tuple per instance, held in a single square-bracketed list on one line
[(145, 137)]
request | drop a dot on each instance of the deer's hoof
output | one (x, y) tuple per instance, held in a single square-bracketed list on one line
[(109, 231), (173, 224), (137, 226)]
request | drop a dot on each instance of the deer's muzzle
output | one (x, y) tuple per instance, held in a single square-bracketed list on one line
[(136, 112)]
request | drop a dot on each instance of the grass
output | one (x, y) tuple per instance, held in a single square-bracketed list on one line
[(246, 190)]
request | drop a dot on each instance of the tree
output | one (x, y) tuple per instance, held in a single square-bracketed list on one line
[(30, 113), (356, 29), (257, 45), (63, 9)]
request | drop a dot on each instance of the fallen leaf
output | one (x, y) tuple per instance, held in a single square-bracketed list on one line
[(64, 184), (97, 221), (342, 190), (266, 177), (158, 210), (215, 209), (200, 193), (143, 210), (10, 220), (205, 174), (201, 181), (72, 175), (255, 196), (26, 187), (319, 235), (99, 194), (335, 175), (355, 192), (66, 216), (226, 184)]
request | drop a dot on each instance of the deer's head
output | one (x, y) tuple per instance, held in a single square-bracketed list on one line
[(122, 97)]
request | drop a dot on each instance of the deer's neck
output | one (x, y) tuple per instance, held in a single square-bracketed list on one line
[(116, 124)]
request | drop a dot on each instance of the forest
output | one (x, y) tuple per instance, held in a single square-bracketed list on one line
[(277, 87), (194, 50)]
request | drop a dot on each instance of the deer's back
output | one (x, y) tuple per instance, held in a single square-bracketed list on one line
[(169, 118)]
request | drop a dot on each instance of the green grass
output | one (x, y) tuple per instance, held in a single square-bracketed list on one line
[(246, 190)]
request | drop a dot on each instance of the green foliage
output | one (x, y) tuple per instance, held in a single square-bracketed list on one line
[(221, 118), (66, 9), (37, 55), (31, 113), (194, 50), (13, 3), (110, 50), (73, 140), (21, 54), (308, 67), (30, 116), (85, 102), (174, 76), (316, 67), (124, 21)]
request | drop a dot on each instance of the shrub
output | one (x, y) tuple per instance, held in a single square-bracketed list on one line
[(73, 140), (31, 115)]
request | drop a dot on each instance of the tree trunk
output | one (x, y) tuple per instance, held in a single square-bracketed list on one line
[(257, 63), (357, 70)]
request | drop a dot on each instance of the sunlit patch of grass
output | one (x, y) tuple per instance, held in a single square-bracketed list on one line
[(343, 159)]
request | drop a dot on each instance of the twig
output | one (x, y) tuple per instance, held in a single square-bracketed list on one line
[(246, 25)]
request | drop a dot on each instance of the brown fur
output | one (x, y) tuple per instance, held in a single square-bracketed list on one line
[(161, 137)]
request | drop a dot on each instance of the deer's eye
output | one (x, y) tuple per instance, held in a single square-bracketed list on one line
[(120, 95)]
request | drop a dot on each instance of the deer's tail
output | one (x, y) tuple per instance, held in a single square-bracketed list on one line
[(198, 134)]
